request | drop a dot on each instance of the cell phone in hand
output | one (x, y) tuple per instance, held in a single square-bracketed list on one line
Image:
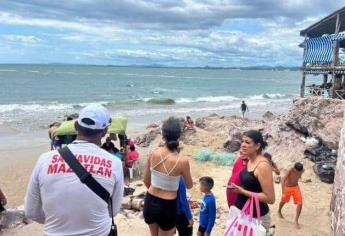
[(231, 186)]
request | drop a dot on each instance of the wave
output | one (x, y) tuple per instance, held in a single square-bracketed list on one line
[(7, 70), (272, 96), (33, 107), (161, 101), (53, 106)]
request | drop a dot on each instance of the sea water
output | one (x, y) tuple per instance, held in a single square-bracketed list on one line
[(33, 96)]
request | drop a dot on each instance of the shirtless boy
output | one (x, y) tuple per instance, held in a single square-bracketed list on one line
[(290, 188)]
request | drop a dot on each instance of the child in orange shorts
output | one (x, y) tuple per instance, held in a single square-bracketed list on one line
[(290, 188)]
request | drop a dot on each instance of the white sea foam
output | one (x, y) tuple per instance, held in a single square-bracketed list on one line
[(271, 96), (46, 107), (32, 107)]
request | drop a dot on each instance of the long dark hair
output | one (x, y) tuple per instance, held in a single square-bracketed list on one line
[(257, 137), (171, 132)]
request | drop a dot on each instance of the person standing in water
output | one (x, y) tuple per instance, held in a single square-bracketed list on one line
[(244, 108)]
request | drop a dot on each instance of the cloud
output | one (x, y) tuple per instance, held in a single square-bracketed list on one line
[(181, 15), (31, 39), (181, 32)]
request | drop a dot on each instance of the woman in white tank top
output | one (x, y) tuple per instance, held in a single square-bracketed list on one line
[(164, 168)]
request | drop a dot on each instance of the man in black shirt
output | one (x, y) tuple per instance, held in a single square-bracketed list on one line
[(244, 108), (109, 146)]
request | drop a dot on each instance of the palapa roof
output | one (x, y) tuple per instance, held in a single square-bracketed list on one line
[(325, 25)]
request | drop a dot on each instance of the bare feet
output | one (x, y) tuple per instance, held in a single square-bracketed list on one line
[(297, 226), (280, 215)]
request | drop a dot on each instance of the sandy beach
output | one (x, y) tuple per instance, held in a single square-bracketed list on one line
[(18, 162)]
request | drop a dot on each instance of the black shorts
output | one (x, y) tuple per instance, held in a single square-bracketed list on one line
[(202, 230), (160, 211), (182, 226)]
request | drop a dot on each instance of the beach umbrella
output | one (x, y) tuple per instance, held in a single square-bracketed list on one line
[(118, 126), (66, 128)]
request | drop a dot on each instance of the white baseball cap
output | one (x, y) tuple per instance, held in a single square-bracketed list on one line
[(94, 117)]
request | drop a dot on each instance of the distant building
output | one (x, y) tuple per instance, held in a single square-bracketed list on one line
[(324, 54)]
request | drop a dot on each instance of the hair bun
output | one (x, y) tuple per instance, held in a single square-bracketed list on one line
[(173, 145)]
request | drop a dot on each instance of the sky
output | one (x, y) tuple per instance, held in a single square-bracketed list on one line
[(186, 33)]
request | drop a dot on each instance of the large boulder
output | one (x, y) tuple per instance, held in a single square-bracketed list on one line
[(234, 143), (319, 117), (282, 139), (200, 123), (188, 136), (146, 139), (338, 197)]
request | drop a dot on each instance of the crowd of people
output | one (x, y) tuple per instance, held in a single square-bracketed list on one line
[(69, 204)]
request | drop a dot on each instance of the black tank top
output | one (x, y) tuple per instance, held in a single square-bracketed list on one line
[(251, 183)]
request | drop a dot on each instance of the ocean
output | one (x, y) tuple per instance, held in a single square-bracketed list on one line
[(33, 96)]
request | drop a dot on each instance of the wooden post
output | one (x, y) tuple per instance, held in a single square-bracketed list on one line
[(325, 80), (303, 85), (302, 89), (336, 85)]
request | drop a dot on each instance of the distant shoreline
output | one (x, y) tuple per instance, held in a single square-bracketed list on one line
[(260, 67)]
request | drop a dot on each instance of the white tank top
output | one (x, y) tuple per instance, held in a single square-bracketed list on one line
[(165, 181)]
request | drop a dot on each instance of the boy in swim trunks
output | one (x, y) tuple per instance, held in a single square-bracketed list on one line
[(290, 188)]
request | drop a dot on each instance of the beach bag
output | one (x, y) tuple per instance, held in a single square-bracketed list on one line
[(242, 222)]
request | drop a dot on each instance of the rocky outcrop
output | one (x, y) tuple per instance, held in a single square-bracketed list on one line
[(146, 139), (200, 123), (188, 136), (234, 143), (268, 115), (338, 197), (152, 126), (282, 139), (319, 117)]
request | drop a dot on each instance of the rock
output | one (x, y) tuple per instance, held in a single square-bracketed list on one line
[(127, 203), (338, 195), (234, 143), (268, 115), (282, 139), (12, 218), (200, 123), (318, 117), (146, 139), (213, 115), (72, 116), (306, 180), (152, 126), (188, 136)]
